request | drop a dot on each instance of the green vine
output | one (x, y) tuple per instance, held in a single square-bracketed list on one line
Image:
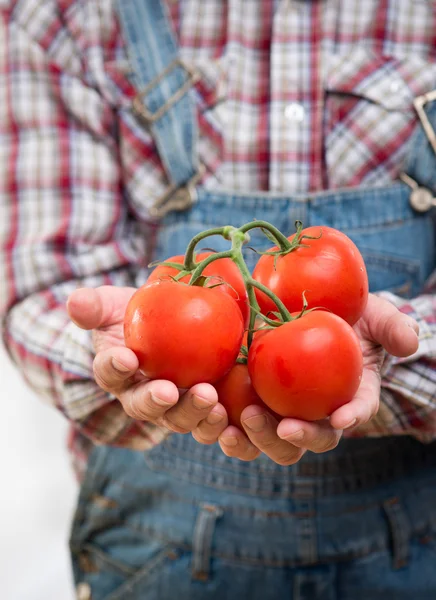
[(238, 237)]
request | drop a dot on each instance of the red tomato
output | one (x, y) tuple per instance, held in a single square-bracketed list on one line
[(235, 392), (223, 268), (306, 368), (185, 334), (330, 270)]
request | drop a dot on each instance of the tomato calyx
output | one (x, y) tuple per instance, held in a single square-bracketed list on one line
[(279, 318), (238, 237), (243, 355), (284, 249), (268, 363)]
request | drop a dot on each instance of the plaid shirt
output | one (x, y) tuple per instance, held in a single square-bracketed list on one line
[(78, 172)]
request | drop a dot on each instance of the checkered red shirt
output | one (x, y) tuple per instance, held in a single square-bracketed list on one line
[(75, 165)]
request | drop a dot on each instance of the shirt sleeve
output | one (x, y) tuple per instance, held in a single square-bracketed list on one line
[(408, 386), (64, 222)]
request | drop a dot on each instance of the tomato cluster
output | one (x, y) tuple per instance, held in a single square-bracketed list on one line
[(190, 329)]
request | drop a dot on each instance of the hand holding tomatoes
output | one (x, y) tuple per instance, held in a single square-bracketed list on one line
[(187, 334), (381, 328), (116, 370)]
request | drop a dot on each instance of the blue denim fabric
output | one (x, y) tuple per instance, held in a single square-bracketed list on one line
[(397, 244), (356, 523), (151, 49), (150, 528), (183, 520)]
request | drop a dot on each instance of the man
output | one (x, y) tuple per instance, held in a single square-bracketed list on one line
[(304, 110)]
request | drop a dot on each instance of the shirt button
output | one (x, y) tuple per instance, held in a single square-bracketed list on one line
[(83, 591), (395, 87), (294, 112)]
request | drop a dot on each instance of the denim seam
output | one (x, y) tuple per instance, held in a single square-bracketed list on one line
[(371, 549), (152, 565)]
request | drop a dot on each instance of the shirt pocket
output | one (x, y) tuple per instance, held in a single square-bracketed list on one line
[(369, 114)]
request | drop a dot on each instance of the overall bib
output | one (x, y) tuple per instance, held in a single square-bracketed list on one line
[(183, 520)]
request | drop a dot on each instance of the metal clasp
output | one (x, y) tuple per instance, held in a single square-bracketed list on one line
[(421, 198), (138, 101), (419, 103), (178, 197)]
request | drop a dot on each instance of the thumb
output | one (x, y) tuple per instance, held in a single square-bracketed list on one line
[(395, 331), (93, 308)]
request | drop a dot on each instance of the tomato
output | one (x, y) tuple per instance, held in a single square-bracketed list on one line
[(185, 334), (223, 268), (306, 368), (330, 270), (235, 392)]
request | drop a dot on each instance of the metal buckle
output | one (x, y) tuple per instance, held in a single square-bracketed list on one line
[(151, 117), (419, 103), (178, 197), (421, 198)]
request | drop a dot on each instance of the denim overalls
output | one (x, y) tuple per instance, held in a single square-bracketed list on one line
[(184, 521)]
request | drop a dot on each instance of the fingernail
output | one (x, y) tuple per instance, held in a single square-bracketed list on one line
[(213, 418), (200, 403), (229, 441), (350, 424), (414, 327), (159, 401), (297, 436), (119, 366), (256, 423)]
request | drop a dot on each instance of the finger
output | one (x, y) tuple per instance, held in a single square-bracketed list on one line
[(193, 407), (149, 400), (234, 443), (364, 405), (114, 368), (317, 436), (92, 308), (209, 429), (261, 429), (395, 331)]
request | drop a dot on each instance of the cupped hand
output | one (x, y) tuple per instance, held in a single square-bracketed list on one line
[(116, 370), (382, 328)]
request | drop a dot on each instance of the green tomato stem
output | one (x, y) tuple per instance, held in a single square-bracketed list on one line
[(284, 312), (189, 263), (238, 237), (238, 259), (282, 241), (199, 267)]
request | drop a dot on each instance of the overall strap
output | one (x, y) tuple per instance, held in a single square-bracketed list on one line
[(420, 167), (162, 80)]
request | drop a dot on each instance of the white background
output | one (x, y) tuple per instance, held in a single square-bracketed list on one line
[(37, 495)]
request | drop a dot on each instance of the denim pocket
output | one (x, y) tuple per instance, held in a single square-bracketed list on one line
[(400, 276), (111, 579), (112, 555), (111, 552)]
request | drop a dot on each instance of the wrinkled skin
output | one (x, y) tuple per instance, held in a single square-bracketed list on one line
[(381, 328)]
